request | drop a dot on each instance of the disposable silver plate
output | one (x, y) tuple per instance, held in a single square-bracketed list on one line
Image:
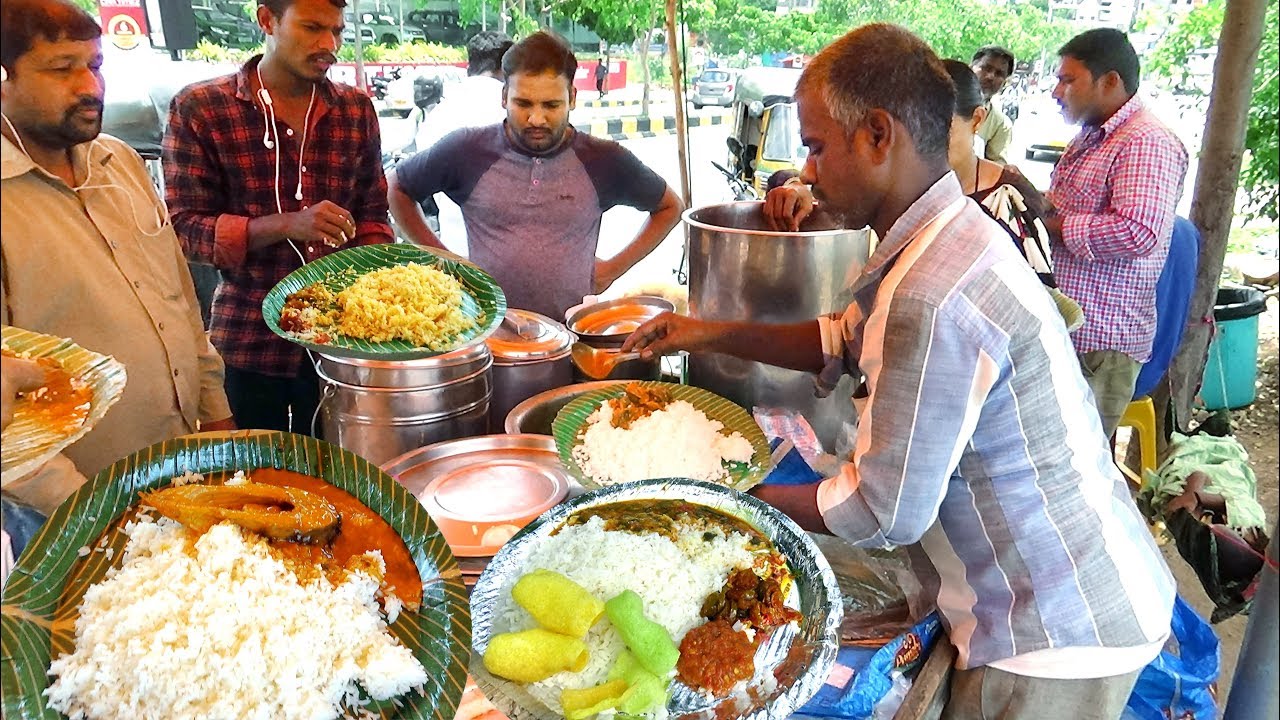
[(791, 664)]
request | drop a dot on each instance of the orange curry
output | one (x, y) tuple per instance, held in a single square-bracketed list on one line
[(61, 404)]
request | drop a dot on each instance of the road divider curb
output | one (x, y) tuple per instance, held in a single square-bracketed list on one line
[(628, 128), (608, 103)]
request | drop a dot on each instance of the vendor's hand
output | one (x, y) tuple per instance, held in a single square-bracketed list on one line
[(670, 332), (786, 206), (323, 222), (16, 376)]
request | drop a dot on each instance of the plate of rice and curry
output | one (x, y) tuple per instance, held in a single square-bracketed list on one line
[(385, 302), (71, 390), (643, 430), (236, 575), (659, 598)]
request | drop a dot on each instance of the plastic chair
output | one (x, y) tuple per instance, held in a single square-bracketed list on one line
[(1141, 416)]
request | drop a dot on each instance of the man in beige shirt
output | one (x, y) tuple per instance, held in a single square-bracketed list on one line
[(993, 65), (88, 250)]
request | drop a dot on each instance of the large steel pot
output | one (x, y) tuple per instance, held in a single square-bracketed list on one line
[(741, 270), (606, 325), (530, 354), (536, 414), (381, 409)]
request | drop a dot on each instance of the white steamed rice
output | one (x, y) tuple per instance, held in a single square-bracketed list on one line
[(676, 441), (216, 627), (672, 579)]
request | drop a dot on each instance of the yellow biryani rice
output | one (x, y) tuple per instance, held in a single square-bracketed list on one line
[(415, 303)]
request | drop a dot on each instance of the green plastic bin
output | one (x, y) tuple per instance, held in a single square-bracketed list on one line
[(1231, 373)]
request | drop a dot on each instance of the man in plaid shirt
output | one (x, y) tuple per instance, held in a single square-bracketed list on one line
[(1115, 192), (266, 169)]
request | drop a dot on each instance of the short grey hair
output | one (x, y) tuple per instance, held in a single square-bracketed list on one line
[(884, 66)]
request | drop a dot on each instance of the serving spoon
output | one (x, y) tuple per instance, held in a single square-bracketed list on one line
[(596, 363)]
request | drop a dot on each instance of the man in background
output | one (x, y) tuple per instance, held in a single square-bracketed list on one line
[(993, 65), (533, 189), (266, 170), (1115, 192), (89, 253), (477, 100), (602, 76), (474, 102)]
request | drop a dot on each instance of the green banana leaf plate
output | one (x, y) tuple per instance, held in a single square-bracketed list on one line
[(572, 419), (30, 443), (482, 299), (43, 595)]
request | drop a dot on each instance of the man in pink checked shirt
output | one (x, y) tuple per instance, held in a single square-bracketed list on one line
[(1114, 194)]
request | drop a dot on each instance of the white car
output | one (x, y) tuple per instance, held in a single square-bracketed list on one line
[(715, 86)]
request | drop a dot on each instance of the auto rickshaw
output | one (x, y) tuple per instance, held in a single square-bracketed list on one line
[(766, 127)]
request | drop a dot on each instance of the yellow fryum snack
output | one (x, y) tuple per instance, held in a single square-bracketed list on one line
[(557, 603), (533, 655), (578, 704)]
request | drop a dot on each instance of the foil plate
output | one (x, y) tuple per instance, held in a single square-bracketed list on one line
[(791, 665)]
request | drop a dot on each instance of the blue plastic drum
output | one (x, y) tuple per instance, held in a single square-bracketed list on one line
[(1231, 373)]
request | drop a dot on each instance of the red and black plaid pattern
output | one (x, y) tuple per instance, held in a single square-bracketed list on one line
[(219, 174)]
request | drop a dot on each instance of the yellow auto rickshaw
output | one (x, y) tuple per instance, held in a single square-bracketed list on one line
[(766, 127)]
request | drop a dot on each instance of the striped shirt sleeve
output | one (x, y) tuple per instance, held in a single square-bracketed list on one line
[(927, 377)]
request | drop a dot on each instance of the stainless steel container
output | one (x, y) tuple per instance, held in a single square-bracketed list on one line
[(741, 270), (482, 490), (381, 409), (607, 325), (536, 414), (530, 354)]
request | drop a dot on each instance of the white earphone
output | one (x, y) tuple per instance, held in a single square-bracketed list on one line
[(271, 143), (265, 97), (4, 73)]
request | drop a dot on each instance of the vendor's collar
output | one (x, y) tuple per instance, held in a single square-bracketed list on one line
[(917, 217)]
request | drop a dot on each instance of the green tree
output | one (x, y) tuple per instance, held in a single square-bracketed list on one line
[(89, 6), (953, 28), (1199, 31)]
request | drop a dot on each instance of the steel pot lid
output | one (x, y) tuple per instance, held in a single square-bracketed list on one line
[(525, 336), (617, 318)]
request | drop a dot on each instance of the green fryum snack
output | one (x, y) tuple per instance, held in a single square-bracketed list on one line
[(648, 640), (644, 689)]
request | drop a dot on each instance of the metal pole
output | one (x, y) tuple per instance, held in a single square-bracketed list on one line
[(484, 15), (355, 23), (1255, 690)]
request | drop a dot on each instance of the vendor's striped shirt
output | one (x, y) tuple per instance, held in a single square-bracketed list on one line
[(977, 440)]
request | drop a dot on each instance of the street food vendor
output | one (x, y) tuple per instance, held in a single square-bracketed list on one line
[(267, 169), (533, 189), (977, 444), (89, 253)]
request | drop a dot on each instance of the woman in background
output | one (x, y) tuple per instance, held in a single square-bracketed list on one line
[(1001, 189)]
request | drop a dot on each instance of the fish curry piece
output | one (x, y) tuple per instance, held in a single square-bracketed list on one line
[(279, 513)]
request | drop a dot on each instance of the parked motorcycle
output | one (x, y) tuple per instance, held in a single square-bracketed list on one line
[(742, 190), (381, 82)]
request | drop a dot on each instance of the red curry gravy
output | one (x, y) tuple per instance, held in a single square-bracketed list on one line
[(360, 531)]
